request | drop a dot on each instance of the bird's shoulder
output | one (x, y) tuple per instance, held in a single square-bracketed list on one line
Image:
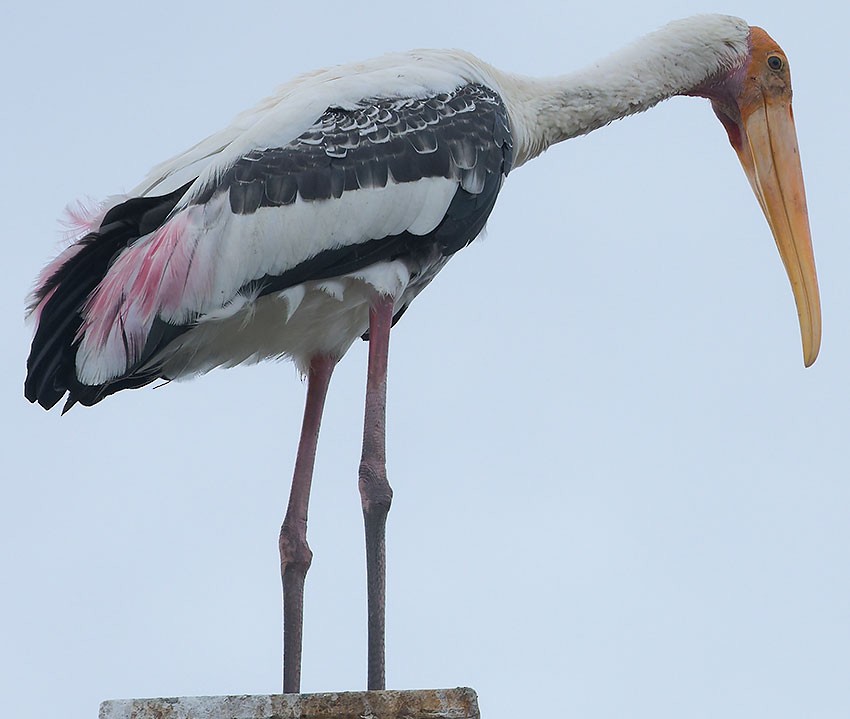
[(460, 135), (299, 105)]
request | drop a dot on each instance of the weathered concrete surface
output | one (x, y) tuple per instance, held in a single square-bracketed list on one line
[(461, 703)]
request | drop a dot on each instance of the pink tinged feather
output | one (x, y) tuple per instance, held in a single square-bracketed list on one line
[(81, 218), (85, 216), (148, 279)]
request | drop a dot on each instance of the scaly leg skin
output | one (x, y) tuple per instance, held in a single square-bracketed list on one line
[(295, 554), (375, 491)]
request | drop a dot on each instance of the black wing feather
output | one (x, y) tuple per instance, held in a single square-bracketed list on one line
[(51, 364), (449, 135)]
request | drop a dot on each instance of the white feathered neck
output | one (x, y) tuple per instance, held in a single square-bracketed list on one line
[(674, 60)]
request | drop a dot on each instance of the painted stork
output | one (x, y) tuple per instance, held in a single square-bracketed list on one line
[(319, 215)]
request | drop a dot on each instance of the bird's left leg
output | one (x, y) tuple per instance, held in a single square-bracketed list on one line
[(295, 554), (375, 491)]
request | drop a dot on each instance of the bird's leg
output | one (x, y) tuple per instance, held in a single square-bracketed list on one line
[(375, 491), (295, 554)]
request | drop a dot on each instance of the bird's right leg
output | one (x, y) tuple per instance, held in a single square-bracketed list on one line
[(295, 554), (375, 492)]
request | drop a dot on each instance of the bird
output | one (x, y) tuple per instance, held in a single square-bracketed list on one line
[(318, 216)]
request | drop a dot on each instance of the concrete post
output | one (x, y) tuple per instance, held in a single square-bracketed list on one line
[(461, 703)]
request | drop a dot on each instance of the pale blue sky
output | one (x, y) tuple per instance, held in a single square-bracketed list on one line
[(615, 483)]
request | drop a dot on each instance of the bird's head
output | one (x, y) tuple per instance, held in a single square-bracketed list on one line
[(753, 102)]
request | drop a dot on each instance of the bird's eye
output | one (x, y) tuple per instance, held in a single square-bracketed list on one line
[(774, 62)]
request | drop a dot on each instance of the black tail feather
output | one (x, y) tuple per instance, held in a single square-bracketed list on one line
[(51, 370)]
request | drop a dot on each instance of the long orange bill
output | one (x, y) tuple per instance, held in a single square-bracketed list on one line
[(771, 160)]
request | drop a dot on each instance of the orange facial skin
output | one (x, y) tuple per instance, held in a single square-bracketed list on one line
[(754, 104)]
